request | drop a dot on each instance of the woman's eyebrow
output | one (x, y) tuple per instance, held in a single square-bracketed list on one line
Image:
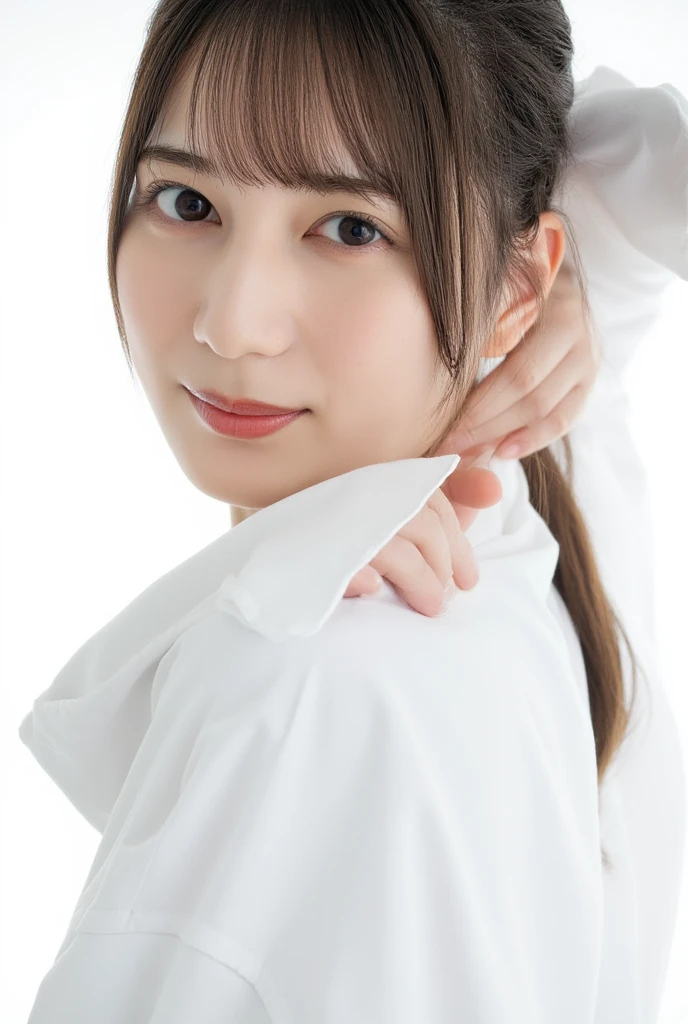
[(318, 184), (183, 158)]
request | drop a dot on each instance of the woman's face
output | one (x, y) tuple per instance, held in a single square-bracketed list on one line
[(273, 295)]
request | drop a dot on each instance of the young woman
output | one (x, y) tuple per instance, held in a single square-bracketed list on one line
[(316, 810)]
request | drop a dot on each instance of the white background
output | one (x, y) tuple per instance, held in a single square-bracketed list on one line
[(95, 506)]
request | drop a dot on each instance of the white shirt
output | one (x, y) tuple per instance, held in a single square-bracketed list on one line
[(319, 811), (627, 198)]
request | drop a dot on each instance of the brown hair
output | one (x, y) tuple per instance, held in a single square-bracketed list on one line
[(458, 110)]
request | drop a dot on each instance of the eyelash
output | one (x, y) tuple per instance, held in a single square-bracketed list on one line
[(151, 192)]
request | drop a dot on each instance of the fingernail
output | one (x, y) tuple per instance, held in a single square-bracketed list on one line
[(510, 452), (449, 592), (470, 586)]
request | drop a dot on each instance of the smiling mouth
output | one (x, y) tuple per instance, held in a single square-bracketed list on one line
[(243, 427)]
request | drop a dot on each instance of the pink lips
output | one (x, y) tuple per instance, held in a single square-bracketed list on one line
[(241, 406), (246, 427)]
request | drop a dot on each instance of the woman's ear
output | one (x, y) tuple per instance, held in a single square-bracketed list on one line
[(548, 252)]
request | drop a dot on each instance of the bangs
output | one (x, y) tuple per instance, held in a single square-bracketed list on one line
[(367, 97), (284, 93)]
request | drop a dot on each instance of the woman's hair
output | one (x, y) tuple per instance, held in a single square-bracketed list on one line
[(456, 109)]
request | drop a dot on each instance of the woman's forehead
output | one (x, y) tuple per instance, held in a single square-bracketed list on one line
[(174, 121), (325, 168)]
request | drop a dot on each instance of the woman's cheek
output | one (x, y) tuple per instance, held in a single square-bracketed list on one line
[(155, 298)]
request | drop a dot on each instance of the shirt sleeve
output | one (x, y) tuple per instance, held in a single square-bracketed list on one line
[(627, 197), (633, 142)]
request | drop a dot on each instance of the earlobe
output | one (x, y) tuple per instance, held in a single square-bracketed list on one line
[(548, 252), (549, 247), (511, 327)]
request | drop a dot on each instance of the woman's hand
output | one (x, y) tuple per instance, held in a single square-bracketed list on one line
[(431, 550), (542, 386), (533, 397)]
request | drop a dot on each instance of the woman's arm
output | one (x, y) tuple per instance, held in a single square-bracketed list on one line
[(627, 198)]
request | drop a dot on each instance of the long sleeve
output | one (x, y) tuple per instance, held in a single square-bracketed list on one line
[(627, 198), (633, 141)]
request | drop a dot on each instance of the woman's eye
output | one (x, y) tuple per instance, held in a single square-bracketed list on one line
[(355, 232), (352, 232), (191, 206)]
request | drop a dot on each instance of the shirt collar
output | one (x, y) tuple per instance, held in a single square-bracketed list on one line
[(282, 573), (289, 564), (283, 570)]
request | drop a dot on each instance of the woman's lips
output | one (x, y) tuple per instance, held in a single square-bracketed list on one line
[(241, 406), (246, 427)]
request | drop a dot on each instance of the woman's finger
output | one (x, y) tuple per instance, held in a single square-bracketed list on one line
[(426, 533), (366, 581), (524, 368), (464, 565), (470, 490), (429, 552), (543, 433), (475, 487), (404, 564), (538, 404), (440, 550)]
